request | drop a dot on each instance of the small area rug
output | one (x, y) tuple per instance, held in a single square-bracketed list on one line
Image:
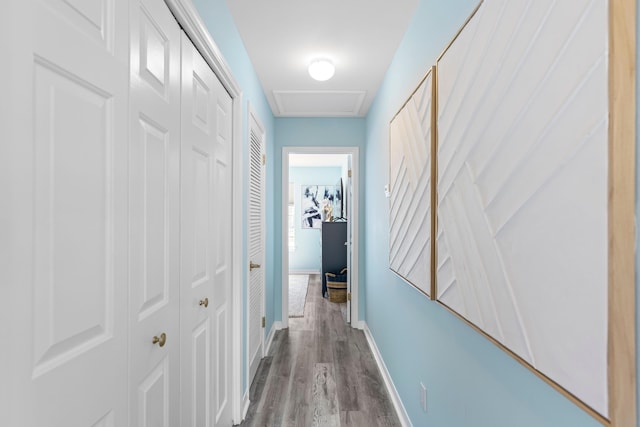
[(298, 285)]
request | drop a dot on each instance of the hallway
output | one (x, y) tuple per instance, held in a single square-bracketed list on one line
[(318, 372)]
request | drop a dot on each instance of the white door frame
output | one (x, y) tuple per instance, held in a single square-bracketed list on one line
[(354, 223), (190, 21)]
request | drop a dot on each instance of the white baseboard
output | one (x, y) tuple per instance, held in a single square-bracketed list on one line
[(358, 324), (245, 404), (276, 326), (304, 271), (391, 388)]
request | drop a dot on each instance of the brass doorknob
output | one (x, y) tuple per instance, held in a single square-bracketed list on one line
[(160, 340), (204, 302), (252, 265)]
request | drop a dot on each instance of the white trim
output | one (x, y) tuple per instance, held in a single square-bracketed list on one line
[(391, 388), (284, 312), (276, 326), (238, 293), (358, 324), (355, 236), (190, 21), (245, 404), (354, 222), (304, 272)]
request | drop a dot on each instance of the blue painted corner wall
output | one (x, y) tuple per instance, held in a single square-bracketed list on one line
[(312, 132)]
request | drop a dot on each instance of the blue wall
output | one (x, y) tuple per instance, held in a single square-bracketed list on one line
[(216, 16), (308, 251), (470, 381), (313, 132)]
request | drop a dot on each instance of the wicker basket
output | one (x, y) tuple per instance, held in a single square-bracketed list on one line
[(337, 286)]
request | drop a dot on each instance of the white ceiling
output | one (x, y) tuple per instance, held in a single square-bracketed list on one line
[(359, 36)]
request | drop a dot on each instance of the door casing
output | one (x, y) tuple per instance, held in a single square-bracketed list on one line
[(354, 225)]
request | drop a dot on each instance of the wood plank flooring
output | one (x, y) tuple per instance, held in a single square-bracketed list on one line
[(319, 372)]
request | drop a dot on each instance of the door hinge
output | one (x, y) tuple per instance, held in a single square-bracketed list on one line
[(349, 173), (264, 159), (348, 296), (264, 322)]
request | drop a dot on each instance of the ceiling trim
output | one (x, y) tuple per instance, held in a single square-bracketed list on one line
[(319, 103)]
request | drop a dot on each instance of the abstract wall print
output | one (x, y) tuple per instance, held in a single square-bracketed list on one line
[(318, 202), (522, 186), (410, 186), (338, 202)]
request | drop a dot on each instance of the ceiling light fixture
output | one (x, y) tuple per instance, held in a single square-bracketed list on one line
[(321, 69)]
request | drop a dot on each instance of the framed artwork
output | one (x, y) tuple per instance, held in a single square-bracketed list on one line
[(531, 215), (338, 202), (317, 205), (411, 140)]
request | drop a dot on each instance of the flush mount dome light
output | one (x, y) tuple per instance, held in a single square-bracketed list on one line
[(321, 69)]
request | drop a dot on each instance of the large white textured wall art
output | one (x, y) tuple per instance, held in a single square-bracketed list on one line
[(522, 185), (410, 186)]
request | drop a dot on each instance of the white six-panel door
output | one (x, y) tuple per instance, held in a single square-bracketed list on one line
[(206, 244), (91, 199), (65, 169), (154, 222)]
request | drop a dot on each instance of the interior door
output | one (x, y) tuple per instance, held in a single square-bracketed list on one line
[(154, 203), (205, 244), (255, 334), (64, 232)]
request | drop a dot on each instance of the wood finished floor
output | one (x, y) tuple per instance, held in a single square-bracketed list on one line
[(319, 372)]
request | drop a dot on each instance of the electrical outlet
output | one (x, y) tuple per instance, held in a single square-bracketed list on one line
[(423, 397)]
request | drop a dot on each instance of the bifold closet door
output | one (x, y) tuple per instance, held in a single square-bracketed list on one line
[(64, 159), (154, 203), (206, 244)]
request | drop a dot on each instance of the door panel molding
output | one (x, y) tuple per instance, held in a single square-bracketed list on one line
[(190, 21), (154, 215)]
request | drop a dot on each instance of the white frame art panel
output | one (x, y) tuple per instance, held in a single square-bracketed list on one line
[(535, 132), (411, 141)]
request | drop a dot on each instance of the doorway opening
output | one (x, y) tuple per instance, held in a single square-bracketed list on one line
[(320, 229)]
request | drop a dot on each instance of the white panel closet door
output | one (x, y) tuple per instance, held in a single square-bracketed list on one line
[(206, 245), (67, 280), (154, 203), (255, 335)]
